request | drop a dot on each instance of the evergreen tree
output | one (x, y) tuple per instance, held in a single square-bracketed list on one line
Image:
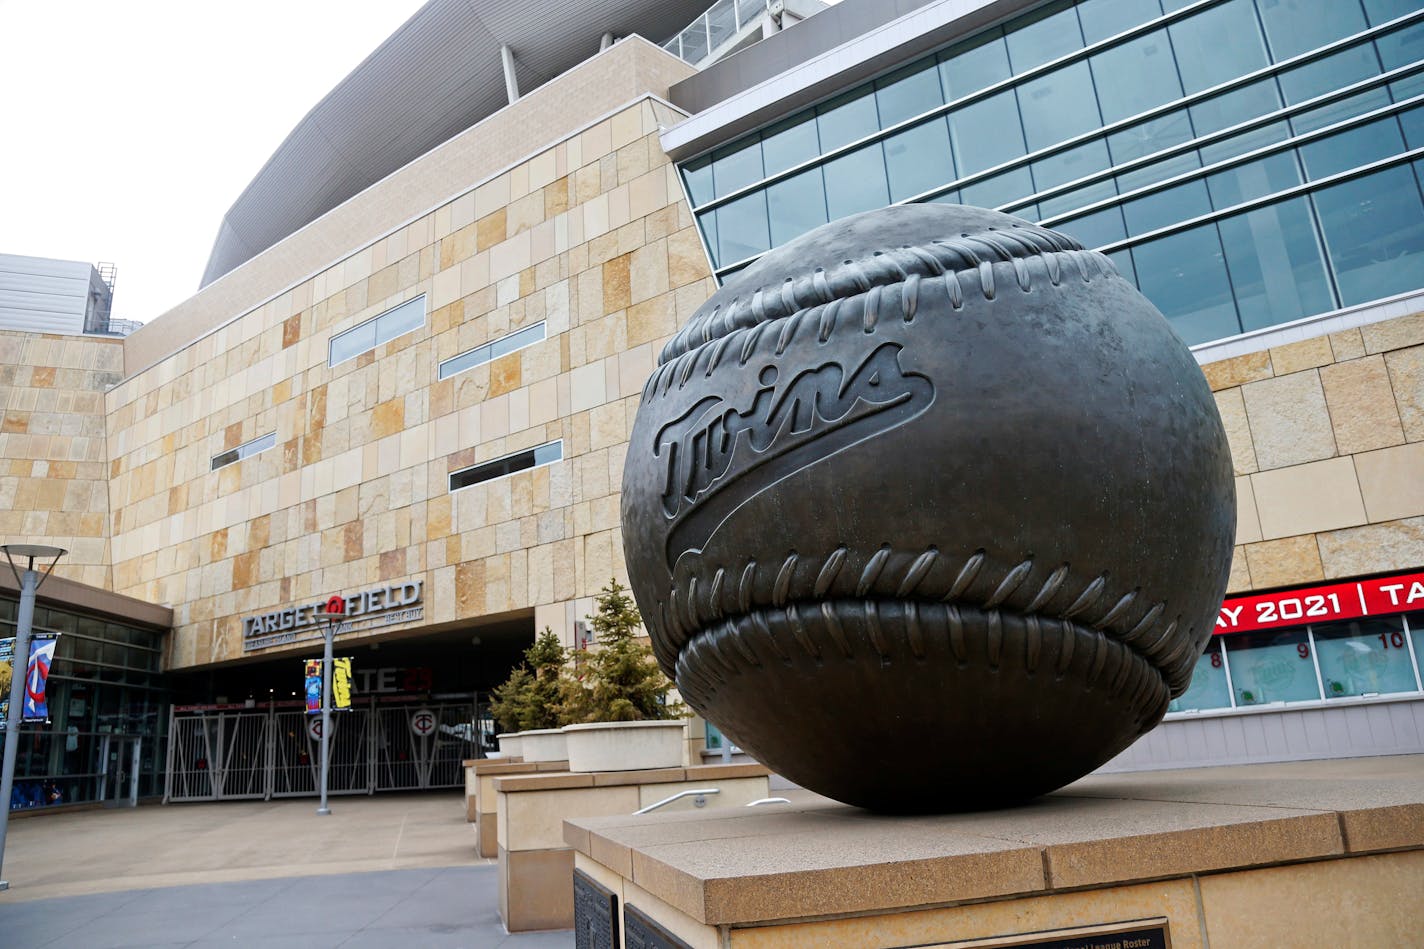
[(618, 680), (530, 697)]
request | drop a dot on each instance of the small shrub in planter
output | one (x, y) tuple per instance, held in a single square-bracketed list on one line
[(529, 699), (618, 680)]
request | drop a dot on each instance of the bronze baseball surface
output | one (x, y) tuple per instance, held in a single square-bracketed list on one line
[(929, 509)]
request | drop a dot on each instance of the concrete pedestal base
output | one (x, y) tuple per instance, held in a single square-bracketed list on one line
[(1300, 854), (535, 863)]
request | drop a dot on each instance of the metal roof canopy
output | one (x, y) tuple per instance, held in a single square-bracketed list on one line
[(436, 76)]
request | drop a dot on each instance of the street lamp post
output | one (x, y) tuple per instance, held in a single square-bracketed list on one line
[(335, 610), (29, 580)]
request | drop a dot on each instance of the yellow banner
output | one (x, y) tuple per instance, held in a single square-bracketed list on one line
[(341, 683)]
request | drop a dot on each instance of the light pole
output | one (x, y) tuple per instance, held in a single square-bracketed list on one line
[(29, 580), (335, 609)]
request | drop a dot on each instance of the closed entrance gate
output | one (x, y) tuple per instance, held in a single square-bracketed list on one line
[(220, 755)]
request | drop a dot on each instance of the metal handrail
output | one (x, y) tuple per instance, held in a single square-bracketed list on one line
[(769, 800), (699, 792)]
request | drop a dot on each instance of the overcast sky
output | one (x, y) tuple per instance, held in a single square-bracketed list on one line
[(129, 127)]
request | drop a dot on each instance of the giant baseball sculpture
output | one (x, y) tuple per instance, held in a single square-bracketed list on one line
[(929, 509)]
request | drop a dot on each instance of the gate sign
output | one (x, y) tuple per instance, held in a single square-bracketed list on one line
[(422, 722), (1322, 604)]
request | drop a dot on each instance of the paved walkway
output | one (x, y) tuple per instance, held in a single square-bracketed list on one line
[(267, 874)]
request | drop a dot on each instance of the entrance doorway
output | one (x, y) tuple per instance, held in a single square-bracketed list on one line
[(120, 763)]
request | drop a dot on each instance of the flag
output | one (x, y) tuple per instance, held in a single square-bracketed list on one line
[(341, 683), (7, 672), (313, 667), (36, 675)]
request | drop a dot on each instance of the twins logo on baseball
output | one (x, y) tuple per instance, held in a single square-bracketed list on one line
[(786, 413)]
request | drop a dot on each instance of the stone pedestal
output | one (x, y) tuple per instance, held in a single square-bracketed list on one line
[(535, 863), (1300, 854), (479, 794)]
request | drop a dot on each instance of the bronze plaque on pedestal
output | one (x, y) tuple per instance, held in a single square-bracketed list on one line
[(1135, 934)]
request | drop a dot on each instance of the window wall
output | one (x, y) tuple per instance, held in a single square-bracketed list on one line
[(1245, 162), (1361, 658), (104, 688)]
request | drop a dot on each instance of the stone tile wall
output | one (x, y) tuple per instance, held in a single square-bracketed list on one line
[(591, 236), (54, 477), (1327, 439)]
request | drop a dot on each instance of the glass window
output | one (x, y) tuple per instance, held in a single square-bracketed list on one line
[(1296, 26), (510, 464), (847, 118), (1146, 138), (483, 354), (1058, 106), (1329, 73), (244, 451), (986, 133), (1122, 260), (401, 320), (1401, 47), (708, 223), (697, 175), (1224, 42), (353, 342), (1000, 189), (790, 143), (1415, 623), (1271, 666), (1382, 11), (1168, 206), (398, 321), (1209, 688), (1238, 105), (1364, 657), (1136, 76), (1275, 263), (742, 228), (1077, 198), (1096, 229), (1071, 164), (1184, 275), (1044, 35), (856, 182), (797, 205), (974, 64), (919, 159), (1244, 142), (1413, 124), (908, 93), (1103, 18), (1157, 171), (1374, 232), (1351, 148), (1254, 179), (1339, 110), (737, 166)]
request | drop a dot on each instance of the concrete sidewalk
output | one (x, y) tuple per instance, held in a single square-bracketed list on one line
[(388, 870), (99, 851)]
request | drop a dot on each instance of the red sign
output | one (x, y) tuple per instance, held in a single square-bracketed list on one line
[(1322, 604), (336, 604)]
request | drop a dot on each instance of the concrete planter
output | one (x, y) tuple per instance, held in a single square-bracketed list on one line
[(625, 746), (543, 744), (511, 744)]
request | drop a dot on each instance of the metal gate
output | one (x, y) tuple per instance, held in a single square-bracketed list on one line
[(224, 754)]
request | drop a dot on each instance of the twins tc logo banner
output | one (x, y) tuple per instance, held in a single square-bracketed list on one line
[(36, 708)]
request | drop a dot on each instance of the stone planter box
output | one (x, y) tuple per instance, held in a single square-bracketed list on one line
[(625, 746), (511, 744), (544, 744)]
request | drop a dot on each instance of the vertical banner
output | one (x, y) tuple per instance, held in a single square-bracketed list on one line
[(340, 683), (313, 690), (7, 673), (36, 676)]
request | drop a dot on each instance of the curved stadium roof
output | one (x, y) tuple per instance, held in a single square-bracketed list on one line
[(433, 78)]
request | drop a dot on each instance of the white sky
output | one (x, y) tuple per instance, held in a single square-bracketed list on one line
[(129, 127)]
